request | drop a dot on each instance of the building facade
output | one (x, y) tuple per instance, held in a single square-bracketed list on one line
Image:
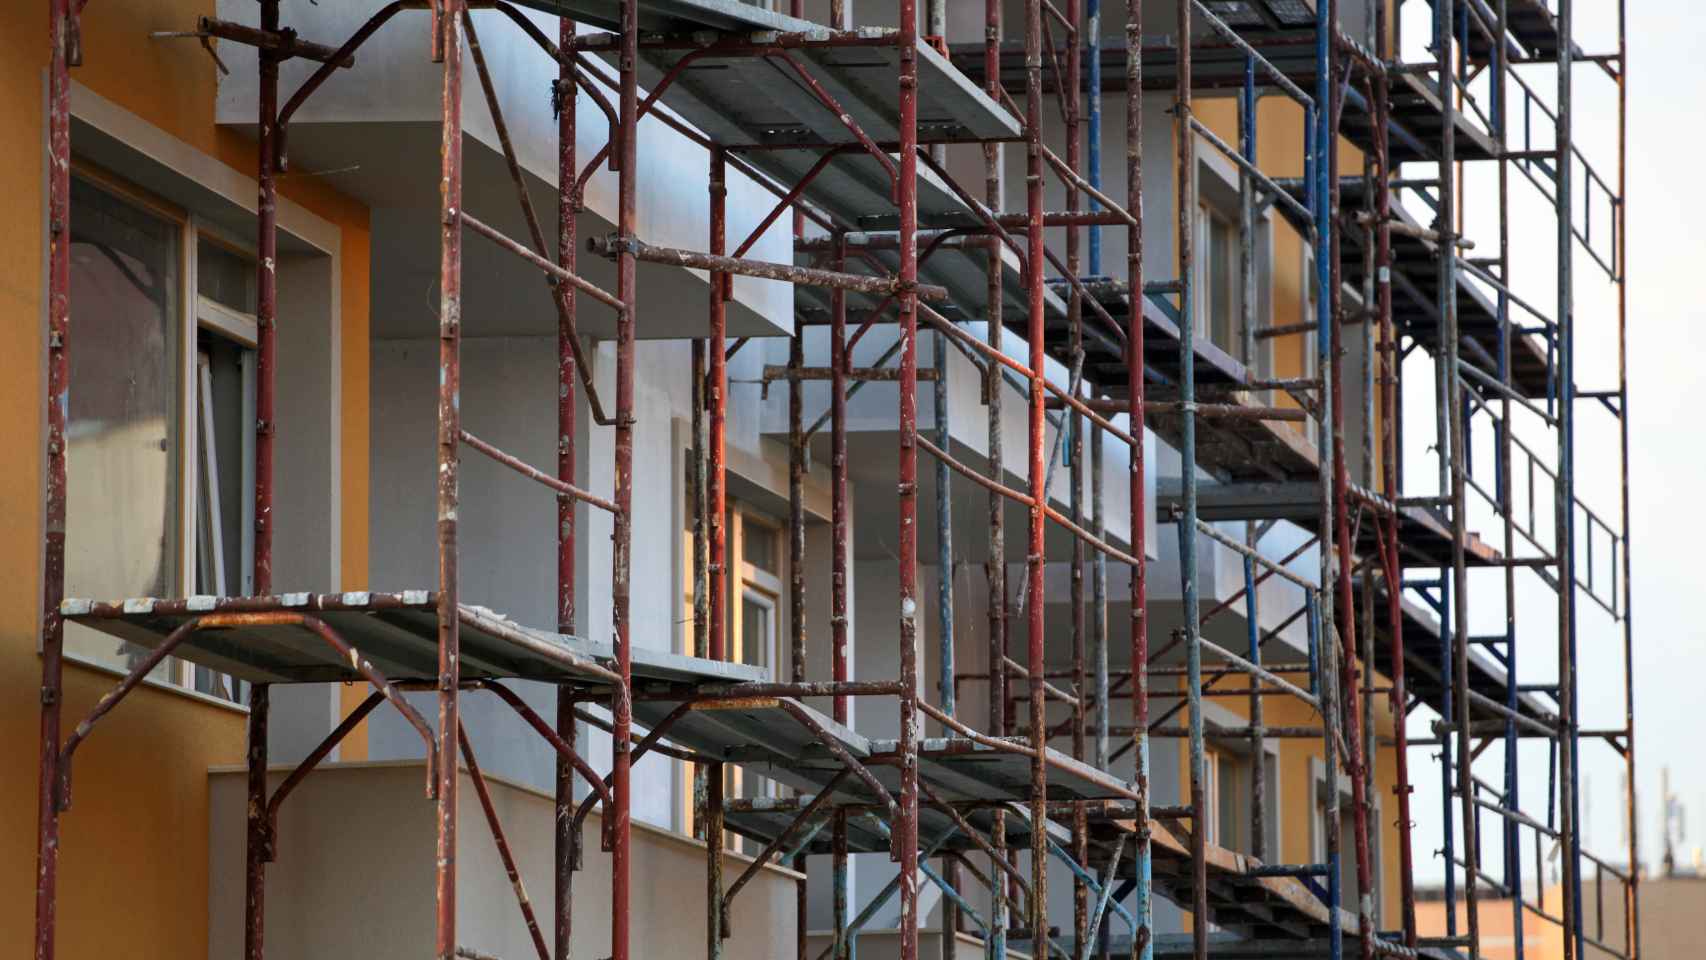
[(730, 452)]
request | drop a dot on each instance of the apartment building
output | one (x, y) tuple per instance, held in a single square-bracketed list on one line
[(825, 431)]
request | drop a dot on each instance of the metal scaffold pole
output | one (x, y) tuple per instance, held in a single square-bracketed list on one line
[(1328, 240), (449, 47), (622, 542), (1505, 436), (876, 266), (1036, 435), (1185, 181), (904, 836), (1388, 403), (1143, 906), (1631, 895), (62, 35), (564, 844), (1452, 425), (996, 563), (1564, 549)]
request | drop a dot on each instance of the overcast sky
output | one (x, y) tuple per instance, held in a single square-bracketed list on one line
[(1667, 347)]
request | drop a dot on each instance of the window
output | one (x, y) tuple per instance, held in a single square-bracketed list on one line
[(1311, 286), (1349, 894), (757, 542), (1212, 806), (1217, 280), (1226, 789), (146, 493), (755, 627), (224, 418)]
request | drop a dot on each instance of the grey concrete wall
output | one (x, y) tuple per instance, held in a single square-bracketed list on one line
[(396, 84), (355, 876), (307, 483)]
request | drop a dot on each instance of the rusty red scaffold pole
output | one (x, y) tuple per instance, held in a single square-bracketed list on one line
[(449, 45), (62, 33), (568, 205), (904, 836), (621, 706)]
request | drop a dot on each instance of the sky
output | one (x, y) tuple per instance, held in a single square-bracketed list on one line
[(1666, 347)]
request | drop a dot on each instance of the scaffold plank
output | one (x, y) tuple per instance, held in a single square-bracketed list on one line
[(397, 632)]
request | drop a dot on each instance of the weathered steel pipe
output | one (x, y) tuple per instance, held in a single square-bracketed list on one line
[(448, 467), (779, 842), (502, 842), (564, 840), (567, 492), (502, 240), (765, 270), (1142, 947), (904, 841), (307, 766), (621, 555), (891, 374), (262, 827), (63, 37), (564, 746)]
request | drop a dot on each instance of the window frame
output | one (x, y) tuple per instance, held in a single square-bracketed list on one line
[(1347, 855), (179, 674), (1217, 193), (765, 586), (1310, 285), (748, 580), (242, 329), (1209, 294)]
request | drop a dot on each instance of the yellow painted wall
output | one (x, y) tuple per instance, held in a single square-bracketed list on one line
[(1279, 149), (1279, 154), (133, 879), (1295, 811)]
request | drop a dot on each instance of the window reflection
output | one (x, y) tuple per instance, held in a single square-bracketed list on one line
[(121, 429)]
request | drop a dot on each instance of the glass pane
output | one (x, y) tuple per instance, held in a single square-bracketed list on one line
[(220, 393), (1221, 270), (122, 438), (757, 630), (1230, 802), (758, 545), (224, 275)]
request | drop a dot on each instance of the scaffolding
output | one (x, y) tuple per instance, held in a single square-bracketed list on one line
[(862, 144)]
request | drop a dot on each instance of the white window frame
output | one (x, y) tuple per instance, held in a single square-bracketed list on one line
[(764, 586), (194, 312), (1311, 299), (1208, 213), (1217, 190), (1347, 857), (138, 140), (749, 582), (244, 330), (1211, 795)]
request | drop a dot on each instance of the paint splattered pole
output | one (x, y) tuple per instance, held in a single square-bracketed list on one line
[(61, 35), (1143, 907), (1185, 140), (622, 542), (258, 842), (996, 564), (449, 432), (567, 206), (1036, 436), (904, 839)]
